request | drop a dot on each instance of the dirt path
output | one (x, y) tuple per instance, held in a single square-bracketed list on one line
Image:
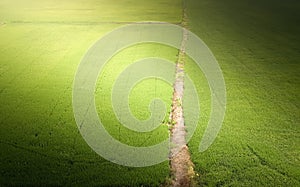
[(181, 166)]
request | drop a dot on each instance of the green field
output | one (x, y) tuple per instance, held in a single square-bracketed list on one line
[(256, 43)]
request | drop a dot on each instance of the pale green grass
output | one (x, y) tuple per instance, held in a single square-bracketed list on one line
[(41, 45), (140, 97), (89, 12)]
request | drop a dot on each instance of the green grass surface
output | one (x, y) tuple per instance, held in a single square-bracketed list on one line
[(41, 46), (140, 97), (257, 45), (88, 12)]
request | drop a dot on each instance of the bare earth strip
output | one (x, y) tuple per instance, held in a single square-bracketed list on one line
[(181, 166)]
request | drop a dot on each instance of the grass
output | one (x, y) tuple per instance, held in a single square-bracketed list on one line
[(41, 46), (257, 45), (139, 98), (88, 12)]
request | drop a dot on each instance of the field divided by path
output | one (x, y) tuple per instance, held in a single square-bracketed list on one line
[(255, 42)]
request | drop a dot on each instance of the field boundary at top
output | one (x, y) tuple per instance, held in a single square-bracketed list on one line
[(91, 23)]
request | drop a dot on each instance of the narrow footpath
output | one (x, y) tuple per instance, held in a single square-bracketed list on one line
[(182, 170)]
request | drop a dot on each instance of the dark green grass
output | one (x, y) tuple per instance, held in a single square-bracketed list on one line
[(257, 45)]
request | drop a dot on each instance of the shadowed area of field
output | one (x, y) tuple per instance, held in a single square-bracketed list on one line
[(257, 45)]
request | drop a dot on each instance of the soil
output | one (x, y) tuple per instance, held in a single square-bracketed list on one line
[(182, 168)]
